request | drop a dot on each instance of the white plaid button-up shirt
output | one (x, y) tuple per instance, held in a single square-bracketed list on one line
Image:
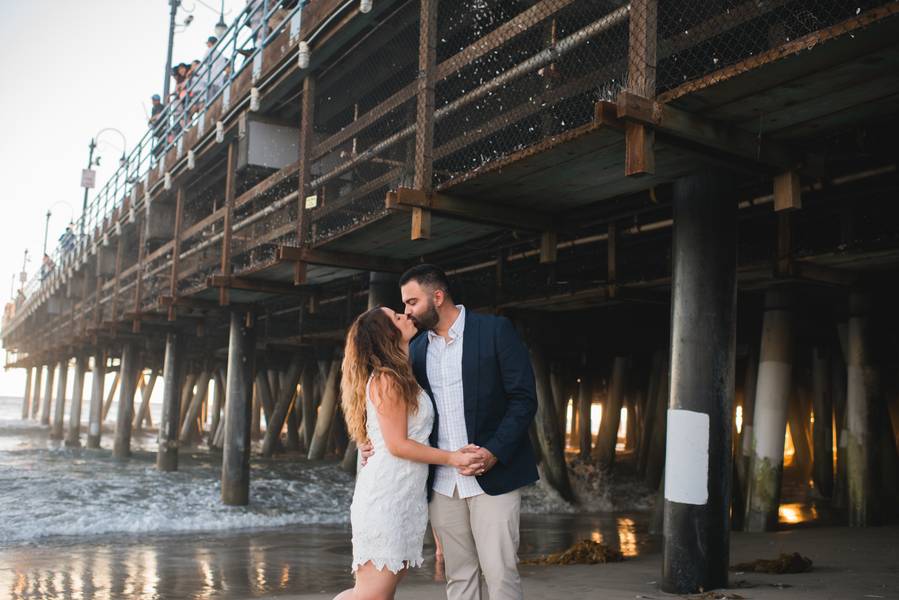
[(444, 364)]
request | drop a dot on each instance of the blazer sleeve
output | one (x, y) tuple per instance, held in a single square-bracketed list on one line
[(521, 392)]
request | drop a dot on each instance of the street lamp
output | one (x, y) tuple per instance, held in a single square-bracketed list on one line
[(221, 27), (87, 177), (174, 4)]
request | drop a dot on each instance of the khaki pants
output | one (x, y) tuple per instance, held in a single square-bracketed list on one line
[(479, 537)]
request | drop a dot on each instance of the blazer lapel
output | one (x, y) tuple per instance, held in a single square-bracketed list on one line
[(420, 364), (470, 376)]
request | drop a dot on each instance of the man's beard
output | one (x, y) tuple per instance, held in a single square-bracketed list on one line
[(429, 319)]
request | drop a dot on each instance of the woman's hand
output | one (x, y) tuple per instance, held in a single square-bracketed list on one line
[(466, 458)]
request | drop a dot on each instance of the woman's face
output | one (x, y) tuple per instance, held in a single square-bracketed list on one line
[(402, 322)]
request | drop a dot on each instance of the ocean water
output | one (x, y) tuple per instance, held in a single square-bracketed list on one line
[(77, 523)]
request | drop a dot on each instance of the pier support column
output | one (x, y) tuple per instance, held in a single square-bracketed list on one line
[(238, 405), (36, 391), (48, 394), (59, 408), (698, 466), (167, 452), (127, 384), (611, 416), (772, 397), (319, 444), (26, 399), (584, 414), (73, 437), (863, 416), (98, 380), (823, 425)]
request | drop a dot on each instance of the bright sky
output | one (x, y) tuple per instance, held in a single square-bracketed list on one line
[(69, 70)]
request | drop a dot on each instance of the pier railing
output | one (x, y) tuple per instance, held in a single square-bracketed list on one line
[(426, 93)]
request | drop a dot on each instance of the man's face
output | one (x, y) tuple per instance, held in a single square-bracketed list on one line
[(421, 304)]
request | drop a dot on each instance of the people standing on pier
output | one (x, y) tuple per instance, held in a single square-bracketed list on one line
[(477, 373)]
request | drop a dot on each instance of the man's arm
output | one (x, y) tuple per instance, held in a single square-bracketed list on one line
[(521, 392)]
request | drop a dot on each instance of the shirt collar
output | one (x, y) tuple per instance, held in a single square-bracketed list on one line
[(456, 329)]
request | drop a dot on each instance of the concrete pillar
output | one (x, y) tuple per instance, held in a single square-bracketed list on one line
[(584, 414), (172, 375), (36, 391), (94, 427), (307, 391), (189, 430), (863, 414), (73, 437), (611, 415), (48, 394), (326, 412), (238, 405), (26, 399), (59, 408), (127, 383), (698, 466), (772, 398)]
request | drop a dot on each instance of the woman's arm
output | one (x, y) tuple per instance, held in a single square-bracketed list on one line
[(393, 419)]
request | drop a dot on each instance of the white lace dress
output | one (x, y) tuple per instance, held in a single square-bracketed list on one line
[(389, 514)]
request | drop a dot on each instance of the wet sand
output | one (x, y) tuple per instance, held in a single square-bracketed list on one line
[(296, 561), (849, 563)]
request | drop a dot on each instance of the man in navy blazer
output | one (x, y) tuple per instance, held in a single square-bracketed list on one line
[(478, 374)]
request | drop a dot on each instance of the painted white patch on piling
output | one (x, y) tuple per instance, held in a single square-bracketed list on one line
[(687, 457), (771, 398)]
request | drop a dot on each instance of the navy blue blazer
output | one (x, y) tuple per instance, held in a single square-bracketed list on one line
[(500, 399)]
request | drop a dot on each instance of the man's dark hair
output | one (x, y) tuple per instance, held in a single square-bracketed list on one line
[(427, 275)]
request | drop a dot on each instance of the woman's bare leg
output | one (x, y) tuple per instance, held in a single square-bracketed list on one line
[(372, 584)]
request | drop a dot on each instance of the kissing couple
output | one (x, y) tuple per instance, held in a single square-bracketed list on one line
[(440, 401)]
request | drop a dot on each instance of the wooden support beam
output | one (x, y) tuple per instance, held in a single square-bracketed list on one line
[(641, 71), (176, 249), (307, 121), (711, 135), (229, 218), (345, 260), (465, 209), (255, 285), (787, 191), (549, 247), (424, 115)]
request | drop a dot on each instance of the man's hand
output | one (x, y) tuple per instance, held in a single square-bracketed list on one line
[(367, 450), (487, 457)]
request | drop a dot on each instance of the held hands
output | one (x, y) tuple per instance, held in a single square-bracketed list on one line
[(485, 461), (466, 458)]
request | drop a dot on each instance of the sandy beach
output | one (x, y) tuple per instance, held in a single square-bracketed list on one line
[(848, 564)]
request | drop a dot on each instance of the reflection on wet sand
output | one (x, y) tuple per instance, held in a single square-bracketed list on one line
[(241, 564)]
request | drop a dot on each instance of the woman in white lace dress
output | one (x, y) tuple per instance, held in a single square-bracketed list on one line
[(383, 404)]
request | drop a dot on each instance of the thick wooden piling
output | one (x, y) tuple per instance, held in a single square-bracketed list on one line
[(48, 394), (611, 415), (770, 420), (73, 437), (863, 404), (698, 466), (584, 416), (26, 398), (98, 379), (552, 447), (128, 370), (36, 393), (282, 405), (59, 407), (172, 382), (188, 434), (238, 405), (326, 411)]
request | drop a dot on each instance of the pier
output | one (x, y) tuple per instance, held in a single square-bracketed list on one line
[(687, 208)]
